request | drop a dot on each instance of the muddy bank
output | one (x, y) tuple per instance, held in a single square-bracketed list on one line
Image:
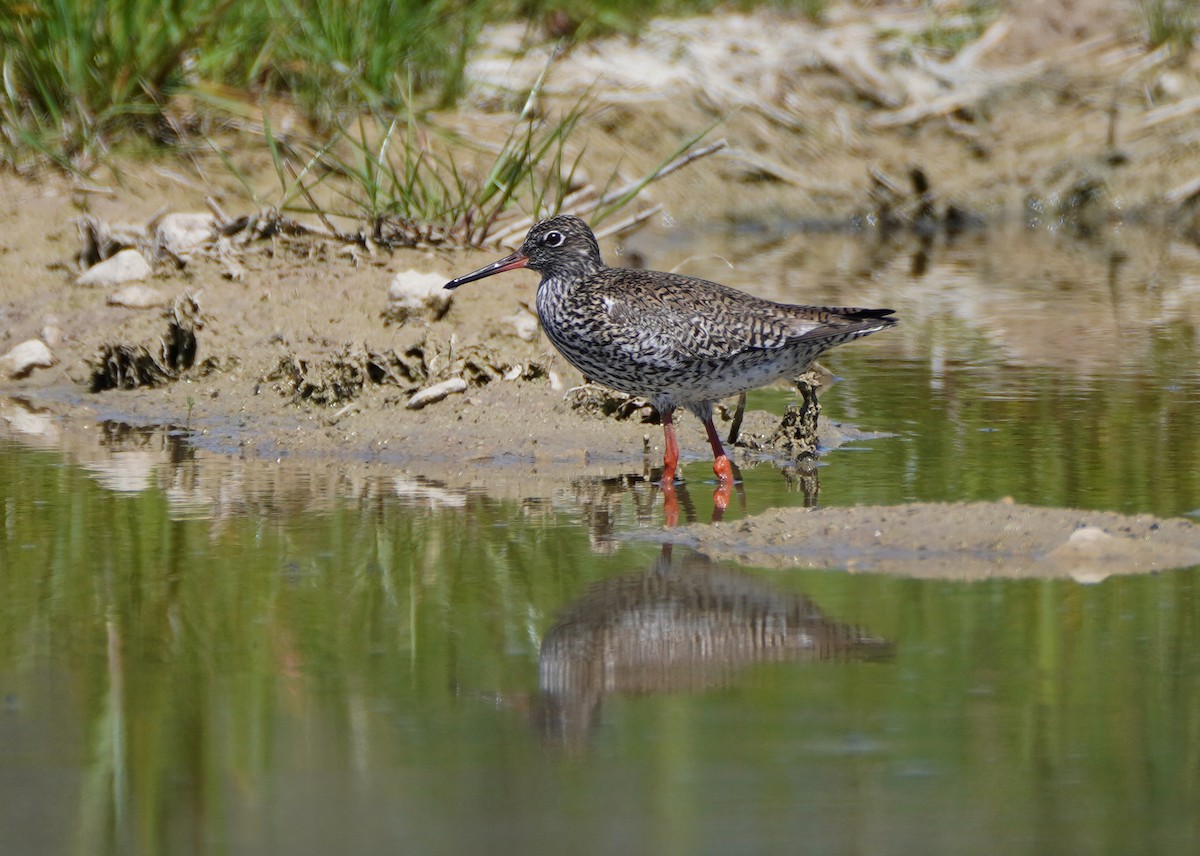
[(1055, 112), (962, 541)]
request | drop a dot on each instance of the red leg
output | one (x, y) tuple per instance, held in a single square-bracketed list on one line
[(670, 506), (721, 465), (671, 453), (720, 503)]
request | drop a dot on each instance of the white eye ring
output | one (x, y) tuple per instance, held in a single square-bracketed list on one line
[(553, 239)]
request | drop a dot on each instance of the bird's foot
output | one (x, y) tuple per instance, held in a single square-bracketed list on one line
[(724, 471), (670, 471), (720, 501)]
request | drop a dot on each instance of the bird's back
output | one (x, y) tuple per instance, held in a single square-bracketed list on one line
[(647, 331)]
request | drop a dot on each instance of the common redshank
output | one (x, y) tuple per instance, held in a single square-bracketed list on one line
[(676, 340)]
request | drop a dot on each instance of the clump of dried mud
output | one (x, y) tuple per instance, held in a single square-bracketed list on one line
[(120, 365)]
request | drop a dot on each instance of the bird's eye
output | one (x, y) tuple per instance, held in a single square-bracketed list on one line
[(553, 239)]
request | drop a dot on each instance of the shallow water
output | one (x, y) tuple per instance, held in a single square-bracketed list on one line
[(200, 653)]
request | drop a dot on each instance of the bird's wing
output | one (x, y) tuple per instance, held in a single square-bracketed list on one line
[(694, 319)]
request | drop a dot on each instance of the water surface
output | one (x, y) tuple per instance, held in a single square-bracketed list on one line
[(206, 654)]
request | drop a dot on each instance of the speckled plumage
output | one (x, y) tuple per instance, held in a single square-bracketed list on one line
[(677, 340)]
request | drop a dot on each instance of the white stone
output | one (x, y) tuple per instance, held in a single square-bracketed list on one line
[(182, 233), (25, 357), (1171, 85), (125, 266), (138, 297), (51, 333), (524, 325), (435, 393), (416, 294)]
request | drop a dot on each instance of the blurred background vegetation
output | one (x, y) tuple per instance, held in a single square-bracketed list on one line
[(82, 79), (80, 75)]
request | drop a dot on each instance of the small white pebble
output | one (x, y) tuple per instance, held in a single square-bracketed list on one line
[(435, 393), (125, 266), (25, 357), (524, 325), (51, 334), (416, 294), (181, 233)]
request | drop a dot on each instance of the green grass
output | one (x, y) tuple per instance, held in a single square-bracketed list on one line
[(80, 75), (75, 72), (80, 79), (364, 51), (400, 180), (956, 26), (1171, 22)]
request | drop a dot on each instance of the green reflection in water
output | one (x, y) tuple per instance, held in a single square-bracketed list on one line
[(307, 675), (364, 677), (982, 432)]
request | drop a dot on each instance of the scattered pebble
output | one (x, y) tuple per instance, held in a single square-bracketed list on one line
[(25, 357), (435, 393), (125, 266), (1089, 555), (1171, 86), (138, 297), (181, 233), (352, 407), (416, 294), (51, 333), (524, 324)]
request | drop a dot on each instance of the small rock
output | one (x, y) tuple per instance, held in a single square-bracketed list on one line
[(25, 357), (435, 393), (1170, 86), (125, 266), (182, 233), (51, 333), (1090, 555), (416, 294), (138, 297), (524, 324)]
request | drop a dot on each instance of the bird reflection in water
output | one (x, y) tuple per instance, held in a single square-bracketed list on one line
[(605, 504), (685, 625)]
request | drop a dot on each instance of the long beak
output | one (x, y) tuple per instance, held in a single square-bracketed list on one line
[(512, 262)]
